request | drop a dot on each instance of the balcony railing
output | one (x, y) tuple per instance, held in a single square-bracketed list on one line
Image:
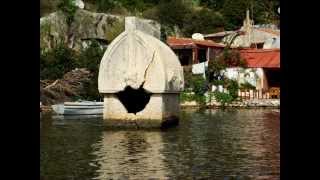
[(272, 93)]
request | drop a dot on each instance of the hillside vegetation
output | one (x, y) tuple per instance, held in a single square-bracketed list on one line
[(203, 16), (69, 26)]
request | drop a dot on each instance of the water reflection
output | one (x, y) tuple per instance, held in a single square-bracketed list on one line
[(210, 144), (65, 148), (133, 154)]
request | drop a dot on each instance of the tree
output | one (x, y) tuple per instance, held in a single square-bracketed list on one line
[(173, 12), (234, 13), (203, 21), (212, 4), (69, 8), (228, 58), (261, 11), (105, 5), (90, 58), (58, 61)]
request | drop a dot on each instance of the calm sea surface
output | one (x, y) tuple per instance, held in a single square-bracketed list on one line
[(210, 144)]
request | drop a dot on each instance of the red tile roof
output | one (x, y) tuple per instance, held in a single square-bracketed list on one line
[(175, 42), (261, 58)]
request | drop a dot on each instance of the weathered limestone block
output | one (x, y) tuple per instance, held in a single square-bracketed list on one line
[(135, 58), (88, 26), (160, 108), (145, 25), (85, 27), (142, 62), (53, 30)]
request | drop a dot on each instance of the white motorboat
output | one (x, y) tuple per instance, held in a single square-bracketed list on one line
[(77, 117), (79, 108)]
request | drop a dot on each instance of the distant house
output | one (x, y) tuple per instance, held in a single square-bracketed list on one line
[(263, 68), (191, 51), (249, 36)]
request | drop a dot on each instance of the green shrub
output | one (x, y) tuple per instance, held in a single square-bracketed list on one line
[(105, 5), (186, 96), (60, 60), (247, 86), (215, 66), (231, 58), (116, 27), (218, 82), (91, 91), (187, 78), (232, 87), (223, 98), (169, 12), (56, 62), (196, 84), (228, 58), (90, 58), (202, 21), (69, 8)]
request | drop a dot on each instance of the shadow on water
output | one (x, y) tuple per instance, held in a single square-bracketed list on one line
[(65, 148), (209, 144)]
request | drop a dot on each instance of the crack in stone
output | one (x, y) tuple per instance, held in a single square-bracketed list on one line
[(97, 25), (145, 72)]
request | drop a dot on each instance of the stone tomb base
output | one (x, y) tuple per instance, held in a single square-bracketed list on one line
[(162, 110)]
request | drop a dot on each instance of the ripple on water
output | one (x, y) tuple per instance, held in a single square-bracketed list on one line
[(212, 144)]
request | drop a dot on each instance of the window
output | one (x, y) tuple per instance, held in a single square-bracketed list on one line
[(202, 55), (257, 45), (185, 56)]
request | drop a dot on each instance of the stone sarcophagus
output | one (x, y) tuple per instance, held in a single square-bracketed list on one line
[(140, 78)]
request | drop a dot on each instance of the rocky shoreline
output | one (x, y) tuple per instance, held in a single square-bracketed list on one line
[(252, 103)]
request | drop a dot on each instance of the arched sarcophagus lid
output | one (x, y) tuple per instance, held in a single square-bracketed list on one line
[(137, 59)]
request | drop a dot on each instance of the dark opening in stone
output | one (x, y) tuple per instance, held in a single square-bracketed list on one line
[(134, 100)]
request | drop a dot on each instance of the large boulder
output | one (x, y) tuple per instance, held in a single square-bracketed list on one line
[(53, 30), (89, 26), (85, 27)]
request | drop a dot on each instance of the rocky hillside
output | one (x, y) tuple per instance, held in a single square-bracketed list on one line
[(85, 27), (77, 39)]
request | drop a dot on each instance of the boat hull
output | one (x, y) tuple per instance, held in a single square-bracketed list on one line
[(77, 117), (78, 109), (83, 103), (73, 111)]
